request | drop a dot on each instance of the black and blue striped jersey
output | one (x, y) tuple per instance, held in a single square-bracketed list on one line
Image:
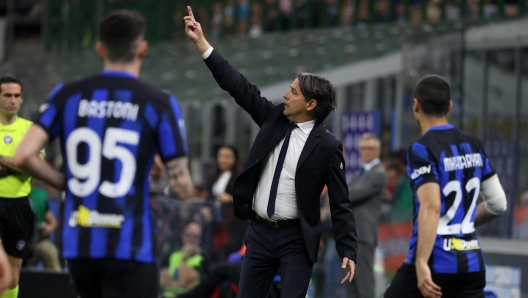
[(110, 126), (457, 162)]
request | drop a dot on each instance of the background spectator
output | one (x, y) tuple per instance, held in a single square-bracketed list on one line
[(181, 271), (229, 230), (243, 16), (45, 250), (218, 17)]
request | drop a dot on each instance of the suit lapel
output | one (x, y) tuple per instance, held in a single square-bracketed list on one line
[(278, 134), (311, 142)]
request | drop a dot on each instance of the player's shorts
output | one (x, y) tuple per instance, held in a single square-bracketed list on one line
[(461, 285), (111, 278), (17, 225)]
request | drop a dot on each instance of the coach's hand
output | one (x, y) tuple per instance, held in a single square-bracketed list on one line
[(195, 33), (351, 268), (425, 282)]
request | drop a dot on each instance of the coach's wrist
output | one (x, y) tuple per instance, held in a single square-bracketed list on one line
[(203, 45)]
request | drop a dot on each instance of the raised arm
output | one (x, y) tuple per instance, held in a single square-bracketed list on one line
[(228, 78)]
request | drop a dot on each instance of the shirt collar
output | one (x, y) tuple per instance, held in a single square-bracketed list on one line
[(370, 165), (306, 127), (119, 73), (441, 127)]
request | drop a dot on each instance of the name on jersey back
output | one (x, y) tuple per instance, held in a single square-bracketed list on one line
[(108, 109), (466, 161)]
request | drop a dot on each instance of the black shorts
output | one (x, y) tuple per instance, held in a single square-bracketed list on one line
[(109, 278), (17, 224), (461, 285)]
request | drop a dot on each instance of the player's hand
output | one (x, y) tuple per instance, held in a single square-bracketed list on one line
[(192, 27), (425, 282), (351, 267)]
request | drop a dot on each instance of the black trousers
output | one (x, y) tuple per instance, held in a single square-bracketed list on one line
[(111, 278), (269, 251), (461, 285)]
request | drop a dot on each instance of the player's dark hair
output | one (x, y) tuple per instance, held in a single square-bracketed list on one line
[(320, 89), (434, 95), (121, 32), (9, 79)]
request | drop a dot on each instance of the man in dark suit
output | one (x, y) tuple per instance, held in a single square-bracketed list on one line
[(366, 193), (292, 159)]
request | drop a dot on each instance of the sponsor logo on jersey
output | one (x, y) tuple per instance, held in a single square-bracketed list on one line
[(463, 162), (460, 244), (85, 217), (8, 140), (21, 244), (419, 172)]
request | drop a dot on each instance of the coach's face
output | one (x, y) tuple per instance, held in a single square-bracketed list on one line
[(10, 98), (296, 108)]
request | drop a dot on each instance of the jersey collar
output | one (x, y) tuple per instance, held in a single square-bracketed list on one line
[(441, 127), (119, 73)]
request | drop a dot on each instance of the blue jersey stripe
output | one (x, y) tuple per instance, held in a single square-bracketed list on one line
[(459, 176), (179, 119), (124, 245), (70, 235), (166, 135), (445, 262), (70, 246), (99, 235), (473, 261), (46, 119), (151, 115), (146, 251), (55, 90)]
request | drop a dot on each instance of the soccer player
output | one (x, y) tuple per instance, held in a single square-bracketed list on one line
[(448, 170), (16, 216), (110, 126)]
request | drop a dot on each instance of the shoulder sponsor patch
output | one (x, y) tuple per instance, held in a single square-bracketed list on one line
[(419, 172)]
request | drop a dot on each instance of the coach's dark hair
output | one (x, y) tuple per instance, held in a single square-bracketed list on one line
[(433, 93), (320, 89), (9, 79), (120, 32)]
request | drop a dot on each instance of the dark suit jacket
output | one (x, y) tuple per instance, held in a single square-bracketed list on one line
[(366, 195), (321, 162)]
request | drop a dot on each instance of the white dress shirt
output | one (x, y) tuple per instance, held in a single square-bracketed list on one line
[(286, 200), (220, 185), (370, 165)]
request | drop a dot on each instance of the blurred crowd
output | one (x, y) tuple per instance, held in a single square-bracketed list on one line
[(244, 17)]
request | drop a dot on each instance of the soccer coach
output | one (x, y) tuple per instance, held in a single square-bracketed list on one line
[(292, 159)]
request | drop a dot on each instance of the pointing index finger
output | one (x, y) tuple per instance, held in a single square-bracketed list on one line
[(189, 10)]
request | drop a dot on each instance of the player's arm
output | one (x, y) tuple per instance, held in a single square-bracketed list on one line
[(8, 163), (494, 201), (180, 182), (429, 197), (29, 159), (228, 78)]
